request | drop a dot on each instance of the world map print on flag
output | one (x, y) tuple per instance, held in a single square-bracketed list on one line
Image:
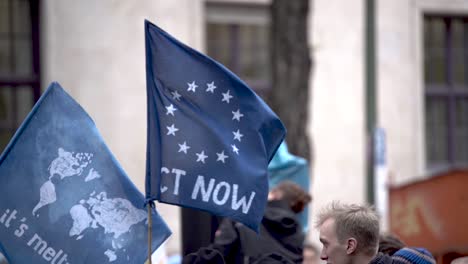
[(63, 196), (210, 137)]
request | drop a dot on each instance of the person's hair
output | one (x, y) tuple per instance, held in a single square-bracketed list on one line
[(351, 220), (292, 193), (389, 244)]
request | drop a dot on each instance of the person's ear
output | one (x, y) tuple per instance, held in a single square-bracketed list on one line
[(351, 245), (275, 195)]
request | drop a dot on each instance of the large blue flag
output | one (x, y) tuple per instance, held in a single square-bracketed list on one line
[(63, 196), (210, 137)]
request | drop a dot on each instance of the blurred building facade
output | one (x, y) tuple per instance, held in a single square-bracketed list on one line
[(95, 49)]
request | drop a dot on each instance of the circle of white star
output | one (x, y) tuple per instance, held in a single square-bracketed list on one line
[(235, 149), (226, 97), (171, 130), (183, 147), (176, 95), (211, 87), (237, 115), (221, 156), (170, 110), (201, 157), (192, 86), (237, 135)]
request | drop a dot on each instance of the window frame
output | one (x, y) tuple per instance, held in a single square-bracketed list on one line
[(448, 91), (235, 15), (13, 81)]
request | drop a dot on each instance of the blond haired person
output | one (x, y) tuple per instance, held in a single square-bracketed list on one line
[(349, 233)]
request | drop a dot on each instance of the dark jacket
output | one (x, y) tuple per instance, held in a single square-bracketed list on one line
[(204, 255), (280, 239), (382, 259)]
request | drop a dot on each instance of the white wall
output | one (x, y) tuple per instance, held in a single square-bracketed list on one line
[(399, 101), (401, 81), (95, 50), (338, 124)]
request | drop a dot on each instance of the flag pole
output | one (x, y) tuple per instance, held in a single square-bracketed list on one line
[(150, 231)]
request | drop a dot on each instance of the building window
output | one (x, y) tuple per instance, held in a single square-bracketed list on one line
[(446, 90), (19, 63), (238, 37)]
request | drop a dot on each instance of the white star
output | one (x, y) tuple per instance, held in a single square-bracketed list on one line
[(176, 95), (172, 129), (192, 86), (201, 156), (170, 110), (211, 87), (237, 115), (237, 135), (183, 147), (235, 149), (221, 156), (226, 97)]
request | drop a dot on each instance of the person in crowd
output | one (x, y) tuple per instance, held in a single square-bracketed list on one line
[(405, 255), (349, 233), (204, 255), (413, 255), (389, 244), (460, 260), (393, 251), (286, 166), (280, 239), (311, 254)]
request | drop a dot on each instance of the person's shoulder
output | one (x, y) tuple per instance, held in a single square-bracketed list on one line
[(413, 255), (273, 258), (204, 255), (381, 258)]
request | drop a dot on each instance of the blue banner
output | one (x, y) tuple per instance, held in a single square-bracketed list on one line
[(210, 137), (64, 197)]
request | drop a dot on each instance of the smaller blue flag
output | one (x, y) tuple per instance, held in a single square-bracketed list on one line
[(64, 197), (210, 137)]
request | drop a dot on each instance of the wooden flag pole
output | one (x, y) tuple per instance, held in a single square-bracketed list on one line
[(150, 231)]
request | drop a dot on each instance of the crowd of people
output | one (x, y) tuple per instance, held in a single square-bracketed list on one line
[(349, 234)]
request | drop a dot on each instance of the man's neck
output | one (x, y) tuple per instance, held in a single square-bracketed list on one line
[(362, 259)]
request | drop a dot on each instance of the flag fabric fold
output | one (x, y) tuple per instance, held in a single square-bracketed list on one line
[(64, 198), (210, 137)]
